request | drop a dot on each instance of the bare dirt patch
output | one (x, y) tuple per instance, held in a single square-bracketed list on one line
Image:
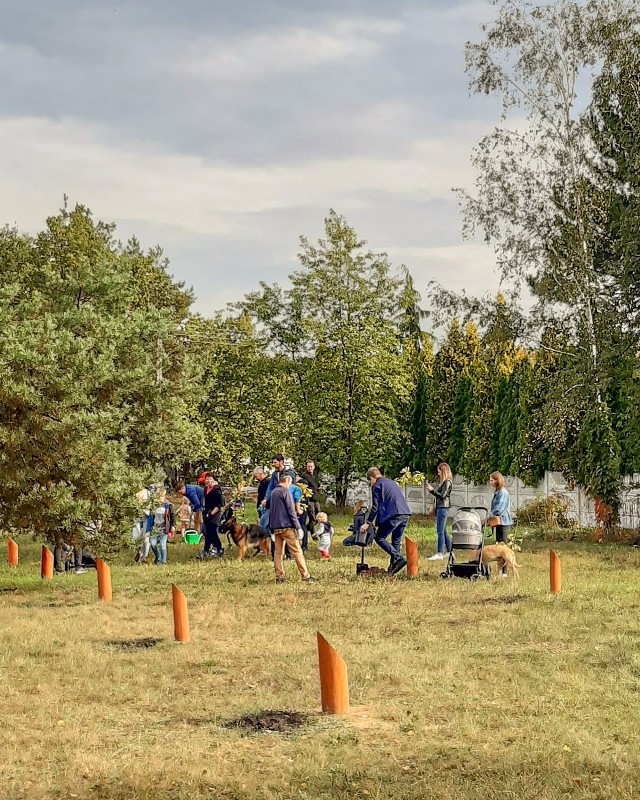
[(507, 600), (134, 644), (375, 572), (269, 722)]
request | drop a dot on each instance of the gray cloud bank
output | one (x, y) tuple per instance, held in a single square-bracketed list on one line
[(224, 131)]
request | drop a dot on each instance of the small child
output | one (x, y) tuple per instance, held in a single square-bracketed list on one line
[(160, 525), (359, 518), (184, 515), (325, 532)]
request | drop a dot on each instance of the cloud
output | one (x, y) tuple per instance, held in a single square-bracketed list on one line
[(223, 130), (289, 50), (189, 192)]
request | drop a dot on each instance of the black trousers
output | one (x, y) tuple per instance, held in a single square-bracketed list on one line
[(211, 538), (313, 509), (62, 555), (502, 535)]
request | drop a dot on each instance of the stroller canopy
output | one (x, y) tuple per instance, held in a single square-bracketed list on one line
[(466, 530)]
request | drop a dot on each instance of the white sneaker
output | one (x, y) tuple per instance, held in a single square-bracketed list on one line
[(436, 557), (80, 571)]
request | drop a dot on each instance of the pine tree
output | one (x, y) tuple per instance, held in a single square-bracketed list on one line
[(92, 387)]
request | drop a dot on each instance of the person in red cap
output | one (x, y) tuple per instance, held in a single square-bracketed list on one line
[(213, 503)]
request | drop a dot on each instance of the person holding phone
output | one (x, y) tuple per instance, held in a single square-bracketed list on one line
[(443, 504)]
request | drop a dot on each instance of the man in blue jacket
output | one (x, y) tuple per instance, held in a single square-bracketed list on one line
[(392, 512), (195, 494)]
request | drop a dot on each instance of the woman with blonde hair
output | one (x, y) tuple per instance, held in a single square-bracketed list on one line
[(443, 504), (501, 510)]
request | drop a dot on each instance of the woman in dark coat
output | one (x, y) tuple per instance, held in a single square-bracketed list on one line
[(213, 503)]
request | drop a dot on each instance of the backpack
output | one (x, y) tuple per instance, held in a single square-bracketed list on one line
[(157, 519)]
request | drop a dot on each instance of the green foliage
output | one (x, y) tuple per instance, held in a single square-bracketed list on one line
[(462, 411), (448, 365), (408, 478), (246, 406), (338, 328), (546, 513), (91, 392), (416, 452), (596, 463), (556, 195)]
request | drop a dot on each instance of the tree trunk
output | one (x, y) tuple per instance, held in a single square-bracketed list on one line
[(342, 487)]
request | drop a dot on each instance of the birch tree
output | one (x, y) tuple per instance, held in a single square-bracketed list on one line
[(537, 198)]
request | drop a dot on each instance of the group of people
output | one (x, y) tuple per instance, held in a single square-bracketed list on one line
[(203, 505), (288, 508), (499, 514)]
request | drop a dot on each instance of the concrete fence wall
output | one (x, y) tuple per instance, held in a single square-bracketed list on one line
[(581, 506)]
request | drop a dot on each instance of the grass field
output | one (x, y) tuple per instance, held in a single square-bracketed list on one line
[(464, 690)]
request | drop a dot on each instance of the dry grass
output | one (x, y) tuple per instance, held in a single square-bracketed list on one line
[(482, 690)]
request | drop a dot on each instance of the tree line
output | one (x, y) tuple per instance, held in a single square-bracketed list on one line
[(107, 377)]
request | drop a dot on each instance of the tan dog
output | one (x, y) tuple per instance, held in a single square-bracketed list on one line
[(500, 553)]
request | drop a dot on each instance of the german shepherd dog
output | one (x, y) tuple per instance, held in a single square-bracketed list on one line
[(246, 536)]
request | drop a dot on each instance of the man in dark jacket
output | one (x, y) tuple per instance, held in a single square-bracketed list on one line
[(310, 479), (392, 512), (284, 525)]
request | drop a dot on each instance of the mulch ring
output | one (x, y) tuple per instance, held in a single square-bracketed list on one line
[(506, 600), (375, 572), (134, 644), (269, 722)]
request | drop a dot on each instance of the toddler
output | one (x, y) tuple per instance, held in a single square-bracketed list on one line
[(325, 532), (184, 514), (160, 525)]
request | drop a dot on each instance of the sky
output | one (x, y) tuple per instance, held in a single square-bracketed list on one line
[(225, 129)]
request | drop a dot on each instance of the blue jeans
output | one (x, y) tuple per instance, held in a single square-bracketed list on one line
[(393, 526), (159, 547), (444, 541)]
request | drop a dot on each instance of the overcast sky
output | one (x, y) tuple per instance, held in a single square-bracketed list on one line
[(224, 129)]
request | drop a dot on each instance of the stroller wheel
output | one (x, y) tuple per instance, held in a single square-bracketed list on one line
[(445, 575)]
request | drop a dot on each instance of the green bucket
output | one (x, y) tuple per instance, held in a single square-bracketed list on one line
[(191, 537)]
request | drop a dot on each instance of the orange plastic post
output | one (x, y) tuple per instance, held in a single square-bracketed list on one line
[(180, 615), (334, 683), (104, 580), (412, 558), (46, 563), (555, 577), (12, 555)]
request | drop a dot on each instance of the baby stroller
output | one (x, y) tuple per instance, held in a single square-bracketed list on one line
[(467, 533)]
